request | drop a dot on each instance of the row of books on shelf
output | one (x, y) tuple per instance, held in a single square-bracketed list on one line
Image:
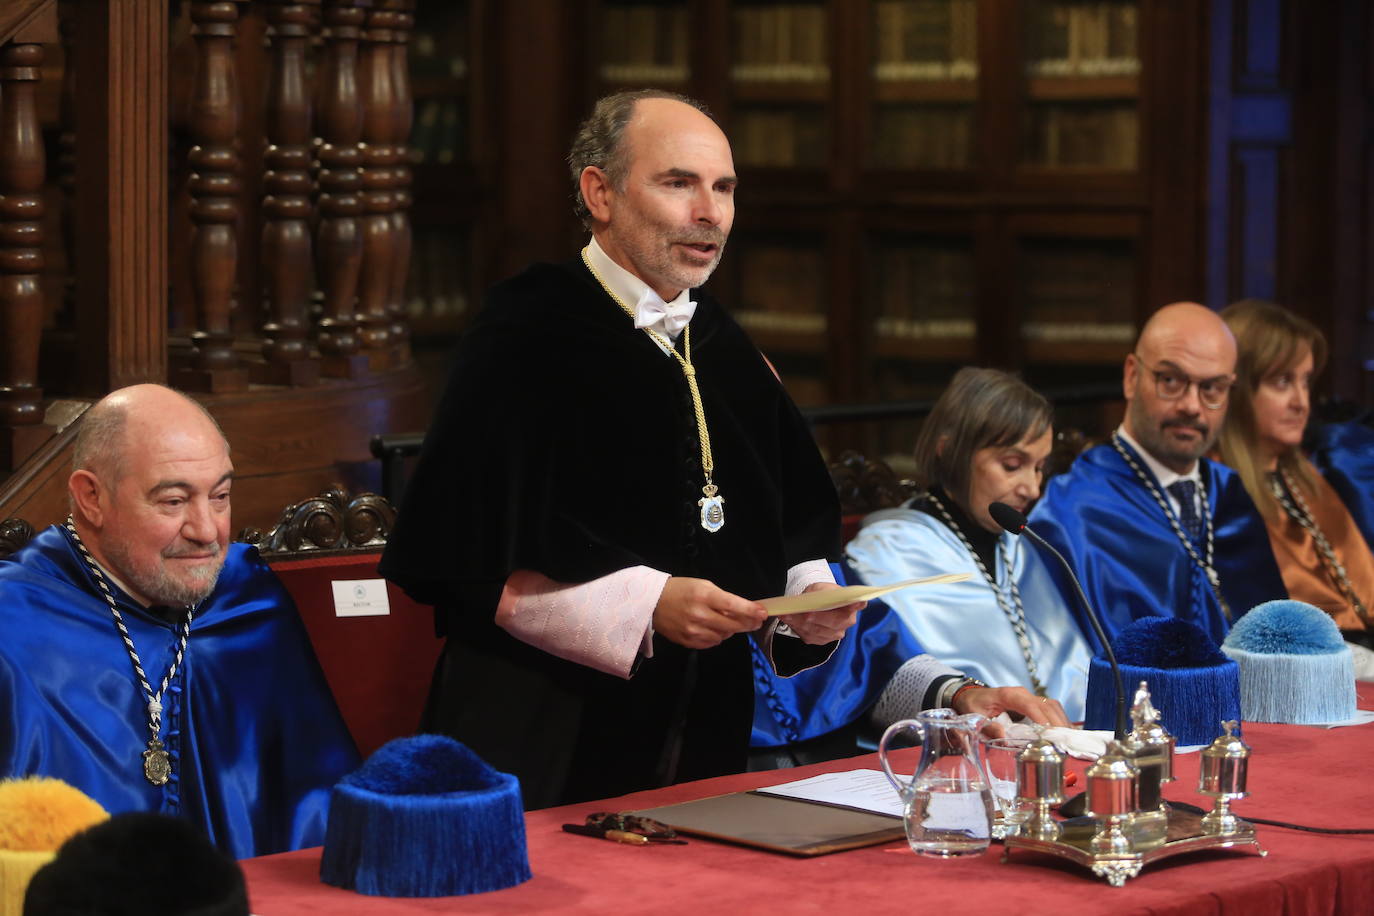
[(783, 42), (1106, 332), (781, 287), (779, 138), (1083, 39), (437, 134), (923, 288), (814, 323), (783, 322), (1097, 135), (910, 71), (924, 137), (926, 328), (437, 285), (644, 43), (925, 39), (1102, 135)]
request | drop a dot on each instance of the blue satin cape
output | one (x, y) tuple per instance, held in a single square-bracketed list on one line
[(1345, 455), (961, 623), (819, 700), (1132, 565), (256, 739)]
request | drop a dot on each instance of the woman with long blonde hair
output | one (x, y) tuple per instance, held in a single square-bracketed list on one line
[(1322, 556)]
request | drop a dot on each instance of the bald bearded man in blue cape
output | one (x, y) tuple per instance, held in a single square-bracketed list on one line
[(241, 736), (1150, 526)]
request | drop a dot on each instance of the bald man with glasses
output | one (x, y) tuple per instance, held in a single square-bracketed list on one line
[(1151, 527)]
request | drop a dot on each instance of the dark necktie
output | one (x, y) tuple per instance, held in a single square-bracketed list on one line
[(1183, 491)]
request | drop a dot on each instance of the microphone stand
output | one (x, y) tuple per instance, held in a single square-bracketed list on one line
[(1015, 522)]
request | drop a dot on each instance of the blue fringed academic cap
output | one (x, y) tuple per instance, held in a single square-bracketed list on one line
[(1294, 665), (1193, 685), (425, 817)]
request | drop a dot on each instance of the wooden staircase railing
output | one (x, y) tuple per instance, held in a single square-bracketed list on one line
[(154, 283)]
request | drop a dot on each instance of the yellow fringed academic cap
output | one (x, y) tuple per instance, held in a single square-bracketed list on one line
[(37, 815)]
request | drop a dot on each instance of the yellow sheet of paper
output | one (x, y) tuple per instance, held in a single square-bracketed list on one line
[(827, 598)]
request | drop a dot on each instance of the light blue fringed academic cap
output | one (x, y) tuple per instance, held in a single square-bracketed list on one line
[(1192, 684), (1294, 665), (425, 817)]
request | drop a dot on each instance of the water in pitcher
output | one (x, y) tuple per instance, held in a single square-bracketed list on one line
[(948, 816), (947, 805)]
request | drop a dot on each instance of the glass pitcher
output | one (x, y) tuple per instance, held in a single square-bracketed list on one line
[(947, 805)]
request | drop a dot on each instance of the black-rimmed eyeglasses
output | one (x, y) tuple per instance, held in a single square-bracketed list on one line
[(1171, 384)]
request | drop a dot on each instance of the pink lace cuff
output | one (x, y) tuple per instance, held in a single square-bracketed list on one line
[(603, 624)]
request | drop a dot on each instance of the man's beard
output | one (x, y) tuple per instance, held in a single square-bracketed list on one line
[(650, 248), (1174, 455), (159, 585)]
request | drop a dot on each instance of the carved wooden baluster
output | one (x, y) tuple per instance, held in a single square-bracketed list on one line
[(339, 241), (21, 253), (286, 258), (214, 199), (404, 110), (379, 158)]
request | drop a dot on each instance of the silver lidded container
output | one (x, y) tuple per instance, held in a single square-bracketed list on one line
[(1151, 747), (1113, 796), (1225, 769), (1040, 783)]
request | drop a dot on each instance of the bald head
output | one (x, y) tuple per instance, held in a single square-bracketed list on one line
[(1182, 346), (130, 413), (150, 493), (1187, 327)]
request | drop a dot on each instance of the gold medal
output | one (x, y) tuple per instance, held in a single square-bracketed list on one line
[(157, 763)]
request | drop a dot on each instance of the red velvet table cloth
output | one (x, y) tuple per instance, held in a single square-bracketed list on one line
[(1298, 774)]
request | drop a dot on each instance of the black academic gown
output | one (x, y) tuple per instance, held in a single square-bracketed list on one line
[(565, 444)]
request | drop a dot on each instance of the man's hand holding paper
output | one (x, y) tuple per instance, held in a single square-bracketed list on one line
[(825, 626)]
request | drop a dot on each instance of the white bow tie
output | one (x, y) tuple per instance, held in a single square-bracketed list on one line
[(652, 310)]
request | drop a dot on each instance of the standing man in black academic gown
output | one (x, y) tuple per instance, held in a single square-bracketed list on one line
[(613, 477)]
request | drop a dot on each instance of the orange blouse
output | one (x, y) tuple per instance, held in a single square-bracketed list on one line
[(1304, 572)]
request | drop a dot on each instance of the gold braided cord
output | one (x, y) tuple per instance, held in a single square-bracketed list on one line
[(689, 372)]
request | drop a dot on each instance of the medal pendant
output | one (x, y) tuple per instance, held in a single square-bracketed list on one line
[(157, 764), (712, 512)]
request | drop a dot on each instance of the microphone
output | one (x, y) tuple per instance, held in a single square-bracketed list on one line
[(1015, 522)]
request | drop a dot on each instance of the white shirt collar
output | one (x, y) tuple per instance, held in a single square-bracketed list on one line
[(119, 582), (1166, 476), (624, 284)]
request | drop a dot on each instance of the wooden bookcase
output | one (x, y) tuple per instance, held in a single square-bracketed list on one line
[(927, 184), (451, 173)]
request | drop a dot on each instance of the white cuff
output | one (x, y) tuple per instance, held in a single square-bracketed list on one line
[(806, 574), (903, 694)]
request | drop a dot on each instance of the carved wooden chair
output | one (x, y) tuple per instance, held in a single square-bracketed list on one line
[(377, 665), (14, 533), (865, 485)]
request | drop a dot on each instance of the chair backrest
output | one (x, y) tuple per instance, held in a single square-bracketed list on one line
[(14, 533), (865, 485), (325, 550)]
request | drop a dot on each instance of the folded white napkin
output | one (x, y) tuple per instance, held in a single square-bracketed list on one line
[(1076, 742)]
